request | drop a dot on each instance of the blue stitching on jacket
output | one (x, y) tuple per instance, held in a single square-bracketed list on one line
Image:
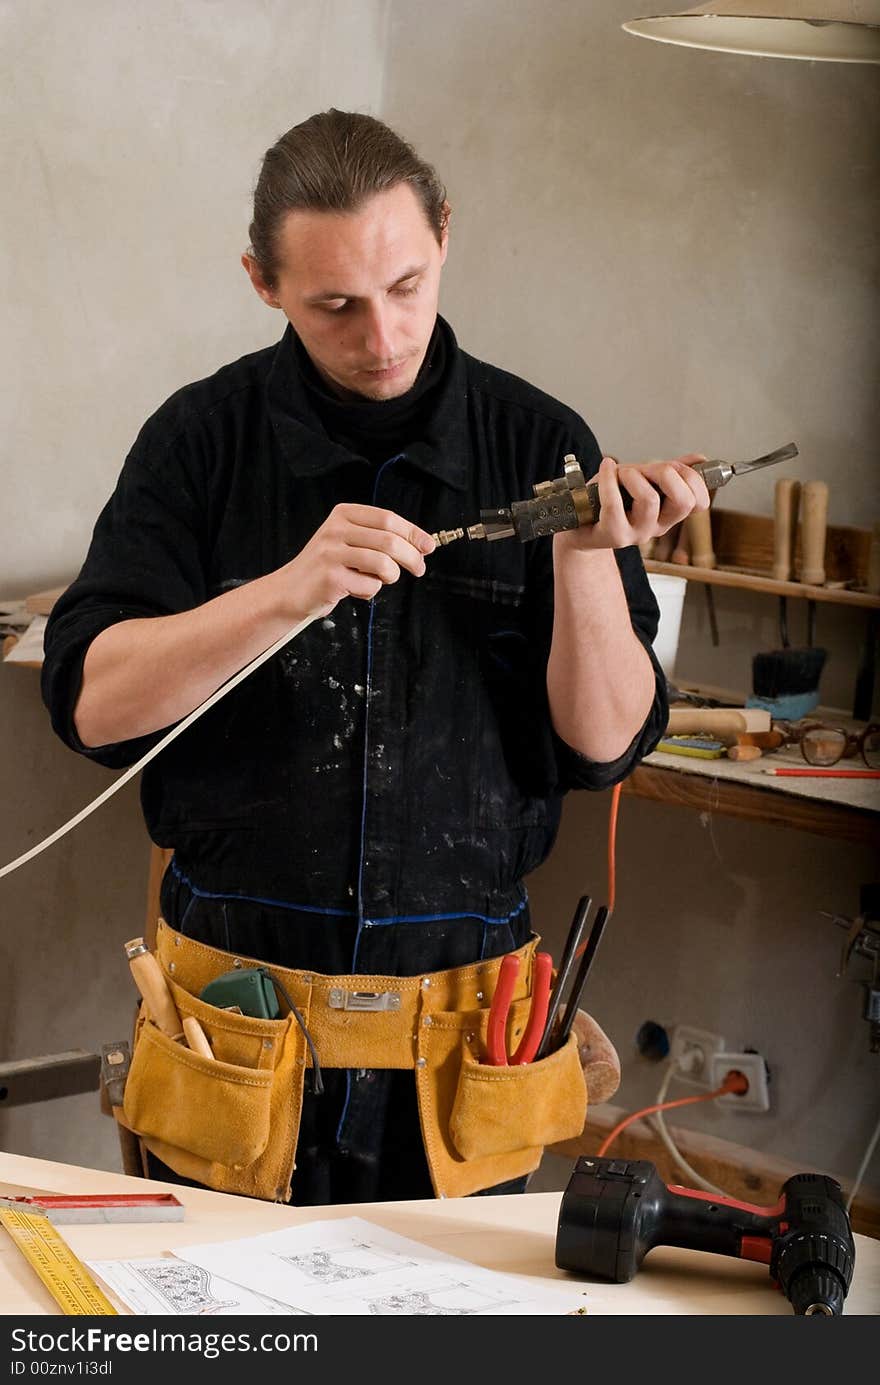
[(256, 899), (442, 918), (342, 913)]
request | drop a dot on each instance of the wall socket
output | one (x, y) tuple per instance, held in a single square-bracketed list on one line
[(752, 1065), (692, 1051)]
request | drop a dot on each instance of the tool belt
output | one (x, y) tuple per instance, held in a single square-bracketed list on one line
[(231, 1123)]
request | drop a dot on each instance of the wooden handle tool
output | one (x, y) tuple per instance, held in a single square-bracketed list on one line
[(196, 1036), (786, 502), (764, 740), (153, 987), (724, 723), (744, 752), (814, 522), (699, 530), (680, 551)]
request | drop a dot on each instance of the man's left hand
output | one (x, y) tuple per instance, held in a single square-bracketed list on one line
[(663, 494), (598, 1057)]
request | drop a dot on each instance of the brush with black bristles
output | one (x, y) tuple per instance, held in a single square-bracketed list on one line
[(786, 681)]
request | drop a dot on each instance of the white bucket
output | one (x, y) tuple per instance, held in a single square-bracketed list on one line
[(669, 592)]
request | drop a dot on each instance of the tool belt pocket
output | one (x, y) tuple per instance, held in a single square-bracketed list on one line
[(218, 1111), (484, 1125), (226, 1121), (498, 1110)]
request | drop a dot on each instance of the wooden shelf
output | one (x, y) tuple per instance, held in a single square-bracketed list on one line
[(744, 581), (678, 787), (743, 548)]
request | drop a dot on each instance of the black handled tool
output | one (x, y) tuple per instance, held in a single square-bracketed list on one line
[(614, 1211), (566, 962), (603, 913), (569, 501)]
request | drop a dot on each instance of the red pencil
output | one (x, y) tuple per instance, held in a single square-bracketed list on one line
[(832, 773)]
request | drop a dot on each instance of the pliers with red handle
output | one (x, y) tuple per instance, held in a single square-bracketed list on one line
[(496, 1033)]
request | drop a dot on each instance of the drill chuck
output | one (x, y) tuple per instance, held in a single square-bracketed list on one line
[(814, 1259)]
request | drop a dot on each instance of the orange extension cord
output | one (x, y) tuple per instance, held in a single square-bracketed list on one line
[(612, 845), (733, 1082)]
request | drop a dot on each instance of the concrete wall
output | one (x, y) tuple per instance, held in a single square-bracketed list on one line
[(132, 140), (682, 245)]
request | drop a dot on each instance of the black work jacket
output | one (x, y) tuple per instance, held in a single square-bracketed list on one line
[(396, 762)]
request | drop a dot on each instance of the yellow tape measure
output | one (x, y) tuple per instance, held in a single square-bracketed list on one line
[(66, 1277)]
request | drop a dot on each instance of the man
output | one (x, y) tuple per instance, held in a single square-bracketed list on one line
[(370, 800)]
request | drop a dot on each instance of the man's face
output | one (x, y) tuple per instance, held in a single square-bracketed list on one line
[(360, 290)]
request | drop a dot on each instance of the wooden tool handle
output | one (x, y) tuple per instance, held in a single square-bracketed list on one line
[(153, 987), (680, 550), (786, 501), (764, 740), (699, 530), (196, 1036), (744, 752), (814, 523)]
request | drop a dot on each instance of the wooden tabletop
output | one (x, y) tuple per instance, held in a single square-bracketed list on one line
[(514, 1235), (846, 809)]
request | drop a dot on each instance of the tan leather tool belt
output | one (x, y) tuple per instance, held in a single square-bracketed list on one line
[(231, 1122)]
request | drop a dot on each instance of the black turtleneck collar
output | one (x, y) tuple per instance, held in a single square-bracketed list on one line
[(318, 431), (376, 428)]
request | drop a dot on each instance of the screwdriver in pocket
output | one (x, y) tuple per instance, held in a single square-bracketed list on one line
[(566, 962), (603, 913), (153, 988)]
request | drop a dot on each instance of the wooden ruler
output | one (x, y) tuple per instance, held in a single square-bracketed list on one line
[(47, 1253)]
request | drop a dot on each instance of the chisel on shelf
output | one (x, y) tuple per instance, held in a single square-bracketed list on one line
[(699, 529)]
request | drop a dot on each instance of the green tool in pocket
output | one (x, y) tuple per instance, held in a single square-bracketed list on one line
[(249, 988)]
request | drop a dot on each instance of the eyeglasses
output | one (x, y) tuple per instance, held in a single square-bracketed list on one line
[(822, 744)]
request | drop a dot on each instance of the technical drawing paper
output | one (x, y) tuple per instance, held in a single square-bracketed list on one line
[(167, 1286), (350, 1266)]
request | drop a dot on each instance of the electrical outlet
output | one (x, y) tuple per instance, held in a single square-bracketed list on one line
[(691, 1050), (752, 1065)]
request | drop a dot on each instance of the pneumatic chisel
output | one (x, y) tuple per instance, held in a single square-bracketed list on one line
[(569, 501)]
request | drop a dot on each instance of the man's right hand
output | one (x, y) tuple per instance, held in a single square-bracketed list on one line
[(143, 674), (358, 550)]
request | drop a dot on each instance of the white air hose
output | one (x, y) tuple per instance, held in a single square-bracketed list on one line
[(166, 740)]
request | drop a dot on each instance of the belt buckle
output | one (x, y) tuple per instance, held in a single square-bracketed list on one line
[(341, 999)]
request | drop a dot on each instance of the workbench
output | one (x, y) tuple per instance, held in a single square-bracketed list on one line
[(842, 809), (513, 1235)]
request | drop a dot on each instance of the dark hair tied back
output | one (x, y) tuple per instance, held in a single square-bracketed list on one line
[(334, 162)]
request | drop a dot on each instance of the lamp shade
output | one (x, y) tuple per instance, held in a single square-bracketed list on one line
[(843, 31)]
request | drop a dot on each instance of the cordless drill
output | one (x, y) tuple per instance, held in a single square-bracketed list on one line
[(615, 1210)]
